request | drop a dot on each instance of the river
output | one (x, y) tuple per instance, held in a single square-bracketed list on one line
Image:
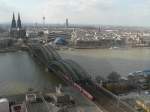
[(104, 61), (18, 72)]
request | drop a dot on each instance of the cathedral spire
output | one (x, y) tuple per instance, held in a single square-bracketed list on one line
[(19, 21), (13, 24)]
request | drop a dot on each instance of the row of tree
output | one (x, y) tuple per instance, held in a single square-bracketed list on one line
[(112, 77), (116, 85)]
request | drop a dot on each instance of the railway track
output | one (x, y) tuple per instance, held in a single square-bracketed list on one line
[(105, 101)]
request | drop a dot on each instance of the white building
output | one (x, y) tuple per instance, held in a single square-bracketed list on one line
[(4, 105)]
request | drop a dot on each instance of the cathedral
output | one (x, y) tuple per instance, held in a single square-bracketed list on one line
[(16, 30)]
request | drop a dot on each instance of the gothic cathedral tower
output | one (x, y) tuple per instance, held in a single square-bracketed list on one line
[(13, 24), (16, 30), (19, 22)]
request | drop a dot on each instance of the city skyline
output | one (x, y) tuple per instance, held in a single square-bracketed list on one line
[(110, 12)]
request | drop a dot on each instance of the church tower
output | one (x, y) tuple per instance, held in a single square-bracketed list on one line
[(13, 24), (19, 22), (16, 30)]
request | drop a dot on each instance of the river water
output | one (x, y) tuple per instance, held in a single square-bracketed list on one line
[(18, 72), (104, 61)]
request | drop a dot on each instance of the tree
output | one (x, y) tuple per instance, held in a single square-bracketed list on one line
[(148, 81), (114, 77)]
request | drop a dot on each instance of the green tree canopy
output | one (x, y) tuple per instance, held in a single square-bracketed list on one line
[(114, 76)]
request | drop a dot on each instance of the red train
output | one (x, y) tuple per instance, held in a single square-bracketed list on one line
[(79, 88), (83, 91)]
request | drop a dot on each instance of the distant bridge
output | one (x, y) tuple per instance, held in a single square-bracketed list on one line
[(76, 74)]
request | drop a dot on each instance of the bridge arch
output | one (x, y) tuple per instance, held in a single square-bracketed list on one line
[(66, 70), (53, 60)]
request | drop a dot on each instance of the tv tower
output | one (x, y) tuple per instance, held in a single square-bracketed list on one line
[(67, 23), (43, 21)]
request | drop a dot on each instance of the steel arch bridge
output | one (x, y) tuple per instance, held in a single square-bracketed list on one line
[(78, 76), (47, 55)]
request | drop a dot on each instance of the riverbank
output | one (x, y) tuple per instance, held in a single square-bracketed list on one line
[(8, 50), (13, 49), (94, 47)]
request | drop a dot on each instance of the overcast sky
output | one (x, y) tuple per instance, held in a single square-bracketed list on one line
[(110, 12)]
